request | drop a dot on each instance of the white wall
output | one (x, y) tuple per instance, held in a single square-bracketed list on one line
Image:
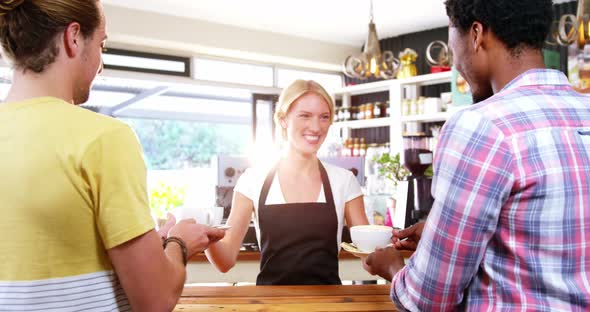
[(152, 32)]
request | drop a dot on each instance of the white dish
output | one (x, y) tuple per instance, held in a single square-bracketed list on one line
[(354, 250), (371, 237), (222, 226)]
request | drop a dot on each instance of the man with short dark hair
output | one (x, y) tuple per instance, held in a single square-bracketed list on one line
[(508, 229)]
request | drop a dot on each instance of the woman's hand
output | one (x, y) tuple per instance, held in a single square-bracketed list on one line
[(408, 238), (197, 237), (163, 231)]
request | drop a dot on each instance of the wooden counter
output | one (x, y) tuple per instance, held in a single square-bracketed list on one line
[(255, 256), (199, 270), (286, 298)]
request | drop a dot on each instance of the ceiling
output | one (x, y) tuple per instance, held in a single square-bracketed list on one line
[(335, 21)]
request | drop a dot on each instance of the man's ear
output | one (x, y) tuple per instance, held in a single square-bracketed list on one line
[(283, 123), (477, 36), (72, 39)]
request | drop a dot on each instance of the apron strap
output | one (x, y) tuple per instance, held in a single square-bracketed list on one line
[(271, 174)]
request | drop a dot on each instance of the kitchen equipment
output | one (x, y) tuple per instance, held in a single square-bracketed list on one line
[(228, 170), (414, 200)]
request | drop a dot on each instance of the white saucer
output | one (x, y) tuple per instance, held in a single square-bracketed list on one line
[(354, 250)]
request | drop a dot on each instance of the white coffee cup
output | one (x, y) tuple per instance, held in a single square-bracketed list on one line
[(369, 237), (204, 215)]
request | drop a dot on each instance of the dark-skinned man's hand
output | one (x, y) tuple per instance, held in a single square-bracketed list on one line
[(384, 262), (412, 233)]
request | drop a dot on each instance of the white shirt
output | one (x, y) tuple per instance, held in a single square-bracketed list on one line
[(345, 188)]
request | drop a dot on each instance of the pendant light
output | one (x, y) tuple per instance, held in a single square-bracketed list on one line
[(371, 62)]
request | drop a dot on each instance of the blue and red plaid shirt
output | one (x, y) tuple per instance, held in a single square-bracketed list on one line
[(510, 226)]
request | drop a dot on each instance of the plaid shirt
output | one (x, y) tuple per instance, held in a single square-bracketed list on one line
[(509, 228)]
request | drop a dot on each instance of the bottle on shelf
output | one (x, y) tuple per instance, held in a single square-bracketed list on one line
[(362, 148), (420, 108), (346, 114), (361, 112), (378, 110), (346, 151), (405, 107), (356, 147), (369, 110), (413, 110)]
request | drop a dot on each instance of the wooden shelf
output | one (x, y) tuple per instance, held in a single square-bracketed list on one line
[(365, 123), (385, 85), (442, 116)]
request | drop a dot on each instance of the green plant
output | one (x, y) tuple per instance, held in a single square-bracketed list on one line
[(164, 198), (391, 167)]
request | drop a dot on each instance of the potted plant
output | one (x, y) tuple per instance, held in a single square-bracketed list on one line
[(165, 198), (392, 169)]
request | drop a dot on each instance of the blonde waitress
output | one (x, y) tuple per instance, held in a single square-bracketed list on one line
[(298, 204)]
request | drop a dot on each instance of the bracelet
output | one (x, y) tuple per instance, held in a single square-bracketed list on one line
[(180, 243)]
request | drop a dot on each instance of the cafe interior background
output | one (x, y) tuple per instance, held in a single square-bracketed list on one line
[(198, 81)]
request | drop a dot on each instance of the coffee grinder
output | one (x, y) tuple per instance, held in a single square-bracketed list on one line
[(417, 158)]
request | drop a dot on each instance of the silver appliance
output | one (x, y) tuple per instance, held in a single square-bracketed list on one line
[(228, 170)]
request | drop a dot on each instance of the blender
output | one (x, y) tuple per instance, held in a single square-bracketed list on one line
[(417, 158)]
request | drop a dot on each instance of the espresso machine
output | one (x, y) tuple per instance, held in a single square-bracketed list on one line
[(418, 198)]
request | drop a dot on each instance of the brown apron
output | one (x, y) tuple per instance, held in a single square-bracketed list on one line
[(298, 241)]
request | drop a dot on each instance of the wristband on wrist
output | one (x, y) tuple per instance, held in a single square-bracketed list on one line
[(180, 243)]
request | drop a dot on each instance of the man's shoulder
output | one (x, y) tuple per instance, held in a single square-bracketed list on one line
[(91, 124)]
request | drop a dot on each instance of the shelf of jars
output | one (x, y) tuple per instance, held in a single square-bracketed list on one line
[(409, 111)]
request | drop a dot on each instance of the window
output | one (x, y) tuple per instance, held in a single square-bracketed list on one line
[(233, 72), (146, 62), (178, 157)]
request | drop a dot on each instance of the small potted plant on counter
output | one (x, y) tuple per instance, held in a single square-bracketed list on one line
[(165, 198)]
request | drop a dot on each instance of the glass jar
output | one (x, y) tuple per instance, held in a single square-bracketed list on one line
[(356, 147), (336, 117), (420, 108), (378, 110), (362, 147), (346, 151), (405, 107), (345, 114), (361, 112), (413, 107), (369, 110)]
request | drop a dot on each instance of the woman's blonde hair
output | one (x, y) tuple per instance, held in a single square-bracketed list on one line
[(29, 28), (293, 92)]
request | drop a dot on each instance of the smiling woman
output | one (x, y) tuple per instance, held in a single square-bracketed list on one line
[(298, 204)]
